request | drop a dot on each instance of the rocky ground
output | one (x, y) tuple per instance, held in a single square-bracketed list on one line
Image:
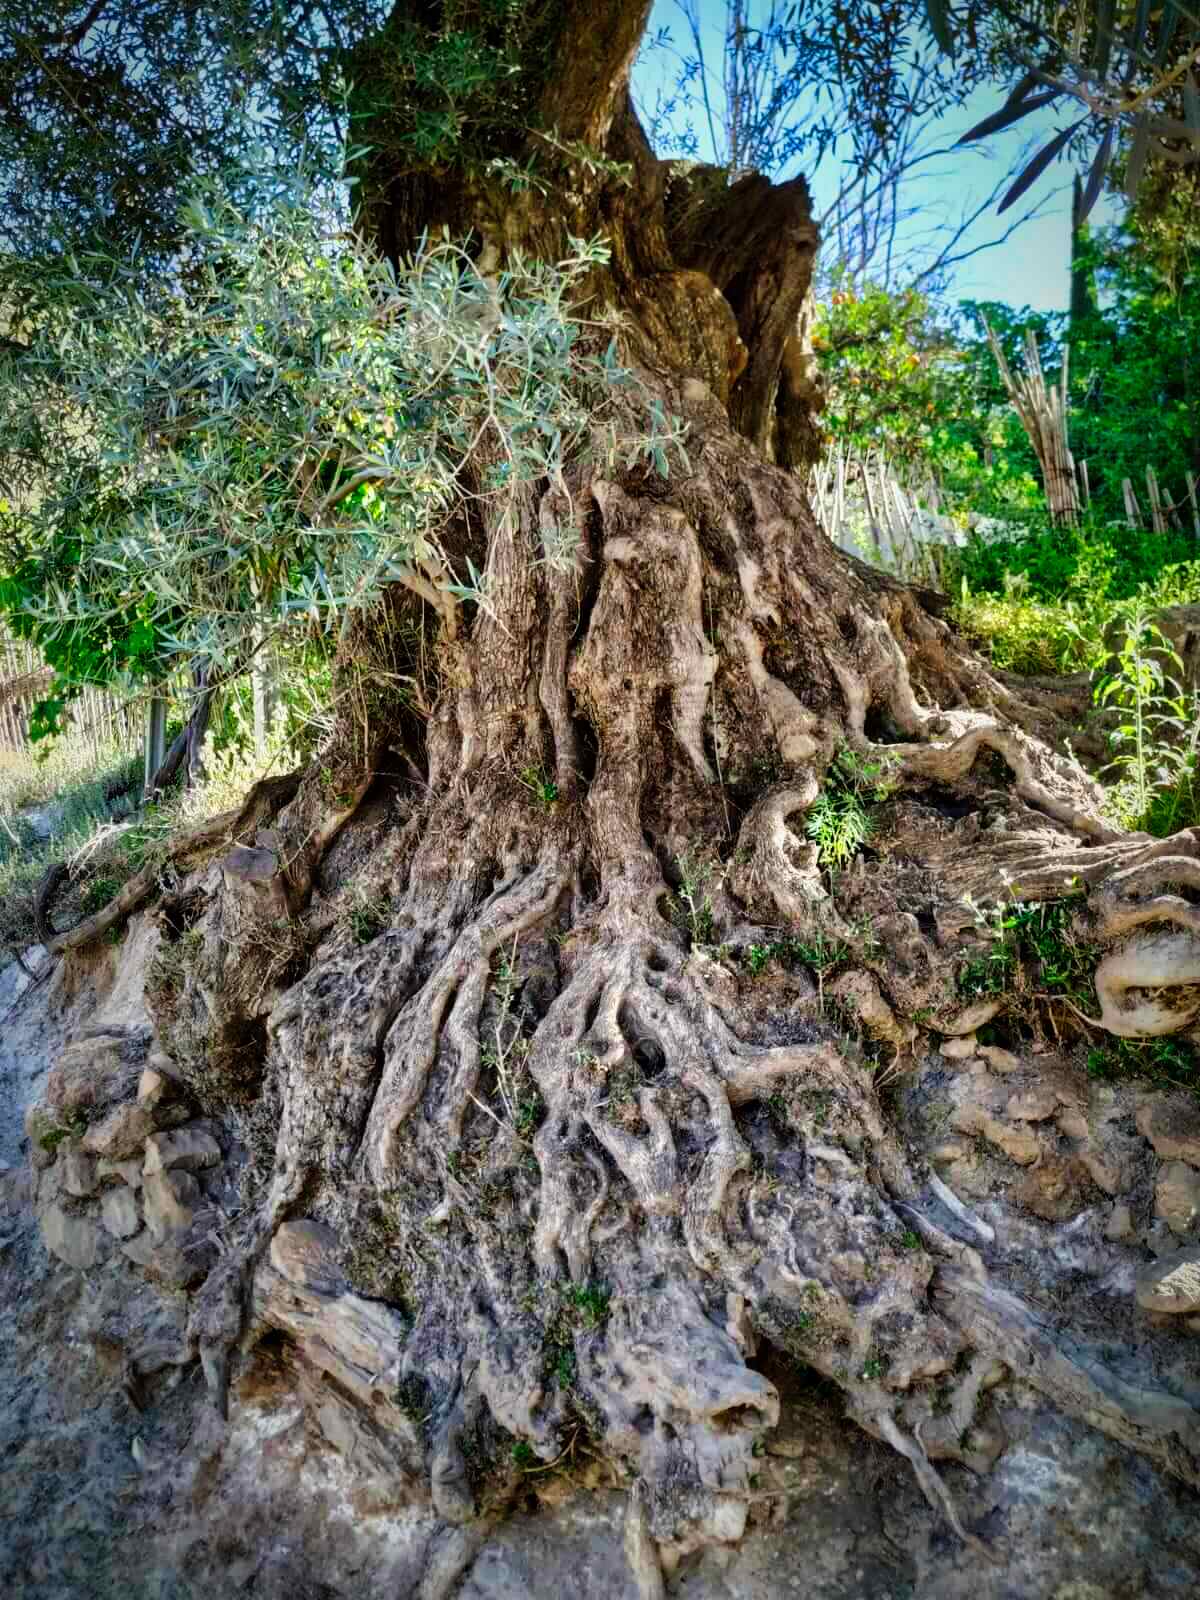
[(111, 1483)]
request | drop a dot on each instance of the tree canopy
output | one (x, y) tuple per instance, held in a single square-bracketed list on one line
[(108, 108)]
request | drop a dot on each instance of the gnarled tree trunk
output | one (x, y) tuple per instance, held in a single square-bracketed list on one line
[(520, 1096)]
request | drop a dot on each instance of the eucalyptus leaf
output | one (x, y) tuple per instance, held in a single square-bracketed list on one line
[(1138, 150), (1010, 112), (1099, 167), (1031, 173), (937, 14)]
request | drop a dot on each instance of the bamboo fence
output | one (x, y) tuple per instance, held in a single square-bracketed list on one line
[(98, 720), (1044, 413), (865, 508)]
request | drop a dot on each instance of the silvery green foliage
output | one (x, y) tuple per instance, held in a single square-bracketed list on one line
[(286, 423)]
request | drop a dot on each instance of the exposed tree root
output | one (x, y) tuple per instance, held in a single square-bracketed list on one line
[(540, 1112)]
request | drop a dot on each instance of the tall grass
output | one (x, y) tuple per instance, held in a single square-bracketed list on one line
[(104, 836)]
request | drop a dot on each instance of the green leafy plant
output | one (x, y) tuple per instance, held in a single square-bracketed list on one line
[(1164, 1060), (1033, 943), (98, 893), (839, 821), (49, 1135), (367, 917), (758, 957), (692, 902), (542, 787), (839, 826), (1156, 739), (590, 1301), (819, 950), (1024, 635)]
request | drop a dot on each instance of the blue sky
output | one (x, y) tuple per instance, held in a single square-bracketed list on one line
[(1030, 268)]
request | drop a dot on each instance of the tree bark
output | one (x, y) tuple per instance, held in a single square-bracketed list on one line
[(519, 1093)]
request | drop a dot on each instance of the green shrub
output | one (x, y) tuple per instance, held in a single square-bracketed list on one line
[(278, 430), (1024, 635)]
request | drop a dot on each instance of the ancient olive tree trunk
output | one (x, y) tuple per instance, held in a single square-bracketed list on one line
[(505, 1109)]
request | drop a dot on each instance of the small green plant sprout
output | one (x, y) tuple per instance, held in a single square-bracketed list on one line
[(564, 1367), (367, 916), (523, 1455), (505, 1053), (542, 787), (873, 778), (910, 1239), (590, 1302), (581, 1308), (839, 820), (822, 953), (692, 900), (874, 1368), (759, 956), (819, 950)]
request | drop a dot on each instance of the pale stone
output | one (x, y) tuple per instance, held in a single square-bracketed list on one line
[(1172, 1125), (190, 1147), (1033, 1105), (119, 1213), (959, 1049), (1054, 1189), (1109, 1176), (151, 1085), (166, 1263), (306, 1253), (1072, 1123), (971, 1019), (1177, 1196), (47, 1186), (170, 1199), (129, 1172), (121, 1133), (999, 1059), (73, 1239), (92, 1073), (1018, 1143), (1120, 1223), (37, 1120), (78, 1171), (949, 1150), (1172, 1283)]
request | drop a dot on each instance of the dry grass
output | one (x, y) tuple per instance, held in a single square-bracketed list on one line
[(102, 850)]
